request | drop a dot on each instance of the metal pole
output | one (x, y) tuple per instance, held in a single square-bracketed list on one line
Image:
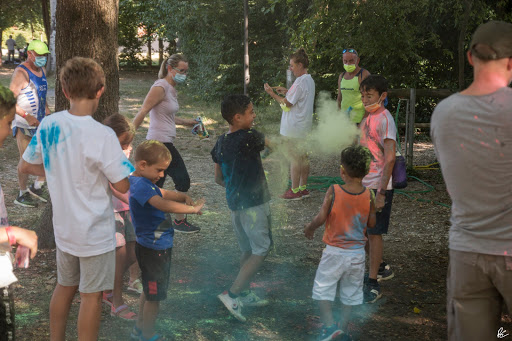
[(247, 77), (410, 127)]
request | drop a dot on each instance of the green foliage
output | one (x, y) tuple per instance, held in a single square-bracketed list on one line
[(21, 42)]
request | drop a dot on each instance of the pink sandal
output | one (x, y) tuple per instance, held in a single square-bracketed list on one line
[(107, 299), (129, 316)]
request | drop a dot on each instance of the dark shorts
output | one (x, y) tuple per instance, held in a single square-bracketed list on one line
[(381, 227), (155, 268), (7, 327), (176, 170)]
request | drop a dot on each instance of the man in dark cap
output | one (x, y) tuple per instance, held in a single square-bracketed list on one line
[(472, 136)]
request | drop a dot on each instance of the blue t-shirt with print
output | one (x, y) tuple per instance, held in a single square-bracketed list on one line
[(151, 228)]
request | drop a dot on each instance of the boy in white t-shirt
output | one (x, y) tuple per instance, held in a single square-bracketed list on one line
[(79, 157), (9, 235)]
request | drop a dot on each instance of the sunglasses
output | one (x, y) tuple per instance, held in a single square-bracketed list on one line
[(351, 51)]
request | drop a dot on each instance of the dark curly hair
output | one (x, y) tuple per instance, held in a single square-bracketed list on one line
[(7, 101), (374, 82), (356, 161)]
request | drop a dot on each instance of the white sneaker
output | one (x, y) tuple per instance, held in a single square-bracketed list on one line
[(252, 300), (233, 304)]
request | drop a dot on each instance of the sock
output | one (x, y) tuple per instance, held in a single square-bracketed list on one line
[(231, 294), (372, 281), (38, 184), (23, 191), (302, 188), (295, 190)]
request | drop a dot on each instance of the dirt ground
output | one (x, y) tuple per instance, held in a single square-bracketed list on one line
[(206, 263)]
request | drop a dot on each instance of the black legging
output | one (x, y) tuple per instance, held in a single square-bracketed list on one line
[(176, 170)]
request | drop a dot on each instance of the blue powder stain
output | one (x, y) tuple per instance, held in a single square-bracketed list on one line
[(128, 165), (50, 137), (31, 148)]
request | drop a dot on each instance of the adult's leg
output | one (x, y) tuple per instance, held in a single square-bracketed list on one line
[(295, 171), (59, 310), (89, 316), (474, 304), (304, 170), (22, 140), (179, 174)]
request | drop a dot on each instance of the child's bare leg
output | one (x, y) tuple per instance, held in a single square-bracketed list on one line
[(89, 316), (247, 271), (304, 170), (376, 249), (117, 299), (295, 171), (59, 310), (243, 259), (131, 261), (140, 316), (326, 313), (346, 311), (150, 314)]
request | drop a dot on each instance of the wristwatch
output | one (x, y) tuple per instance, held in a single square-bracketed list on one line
[(382, 191)]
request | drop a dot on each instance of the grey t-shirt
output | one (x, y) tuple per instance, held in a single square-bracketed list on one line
[(162, 126), (472, 137)]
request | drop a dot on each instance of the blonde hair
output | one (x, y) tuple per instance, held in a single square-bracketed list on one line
[(119, 124), (82, 78), (300, 56), (152, 151), (173, 61)]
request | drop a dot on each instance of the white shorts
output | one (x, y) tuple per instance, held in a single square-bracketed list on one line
[(344, 266)]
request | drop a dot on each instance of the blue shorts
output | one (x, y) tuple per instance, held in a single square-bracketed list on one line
[(381, 227)]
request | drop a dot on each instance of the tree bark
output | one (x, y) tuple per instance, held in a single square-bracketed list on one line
[(160, 51), (467, 4), (45, 9), (52, 65), (86, 28), (149, 62)]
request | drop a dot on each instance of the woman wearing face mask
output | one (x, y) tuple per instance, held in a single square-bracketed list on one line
[(162, 105), (29, 84), (349, 97)]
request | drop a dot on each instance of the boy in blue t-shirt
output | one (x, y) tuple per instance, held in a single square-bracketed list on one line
[(148, 205), (238, 168)]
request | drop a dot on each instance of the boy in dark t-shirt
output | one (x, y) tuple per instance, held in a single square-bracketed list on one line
[(238, 168)]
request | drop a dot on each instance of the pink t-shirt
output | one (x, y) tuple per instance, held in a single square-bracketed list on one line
[(375, 128), (162, 126)]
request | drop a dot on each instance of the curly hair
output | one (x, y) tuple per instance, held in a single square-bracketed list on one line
[(356, 161), (7, 101)]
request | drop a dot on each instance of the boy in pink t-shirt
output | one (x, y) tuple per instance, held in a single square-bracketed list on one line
[(378, 134)]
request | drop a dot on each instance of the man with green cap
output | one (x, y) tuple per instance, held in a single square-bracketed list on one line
[(29, 84), (472, 135)]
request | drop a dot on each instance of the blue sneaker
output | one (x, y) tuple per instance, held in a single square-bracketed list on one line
[(330, 333)]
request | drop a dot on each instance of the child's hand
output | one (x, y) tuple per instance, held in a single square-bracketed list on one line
[(189, 201), (26, 238), (308, 231), (198, 205)]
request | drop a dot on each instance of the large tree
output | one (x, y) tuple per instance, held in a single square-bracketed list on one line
[(85, 28)]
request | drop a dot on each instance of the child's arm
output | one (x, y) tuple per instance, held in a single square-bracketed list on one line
[(372, 218), (17, 235), (30, 168), (321, 217), (219, 178), (175, 207), (124, 197), (122, 186), (176, 196)]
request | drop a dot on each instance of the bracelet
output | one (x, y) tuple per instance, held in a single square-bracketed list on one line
[(10, 236), (24, 115)]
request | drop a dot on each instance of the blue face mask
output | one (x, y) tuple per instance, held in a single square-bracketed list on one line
[(40, 61), (179, 78)]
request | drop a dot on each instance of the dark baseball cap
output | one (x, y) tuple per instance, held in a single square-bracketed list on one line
[(492, 40)]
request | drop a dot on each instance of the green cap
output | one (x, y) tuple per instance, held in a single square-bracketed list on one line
[(492, 40), (38, 46)]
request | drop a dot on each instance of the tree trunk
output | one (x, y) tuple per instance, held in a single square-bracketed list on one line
[(86, 28), (52, 64), (467, 4), (160, 51), (149, 41), (45, 8), (247, 77), (1, 44)]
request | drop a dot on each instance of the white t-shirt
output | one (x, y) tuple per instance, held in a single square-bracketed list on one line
[(298, 121), (6, 275), (80, 157), (375, 128)]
